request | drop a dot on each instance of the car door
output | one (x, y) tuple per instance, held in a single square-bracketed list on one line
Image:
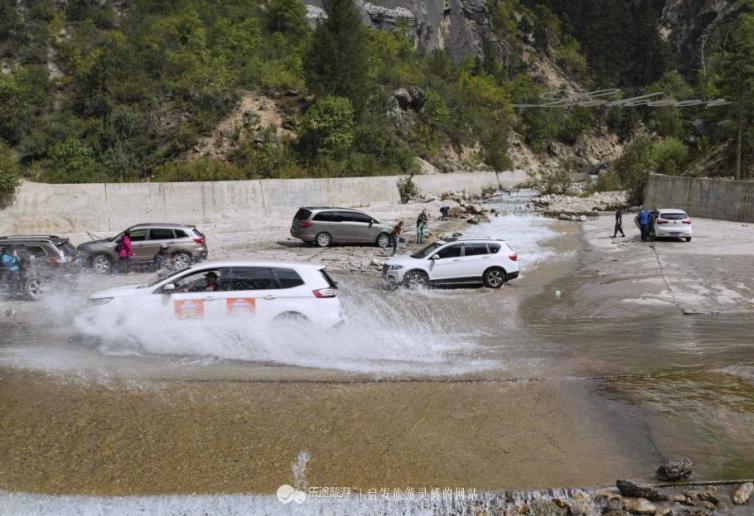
[(139, 244), (447, 266), (251, 293), (193, 300), (155, 238), (327, 222), (347, 227), (363, 229), (476, 259)]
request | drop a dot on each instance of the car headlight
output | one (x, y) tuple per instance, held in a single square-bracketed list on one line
[(96, 301), (394, 267)]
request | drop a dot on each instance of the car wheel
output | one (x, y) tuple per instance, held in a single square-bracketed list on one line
[(494, 278), (291, 317), (416, 279), (32, 289), (688, 239), (102, 264), (383, 240), (182, 260), (323, 239)]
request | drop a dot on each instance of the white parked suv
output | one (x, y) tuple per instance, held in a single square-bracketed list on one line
[(468, 261), (215, 292)]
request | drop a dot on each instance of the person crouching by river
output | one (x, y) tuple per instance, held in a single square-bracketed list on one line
[(396, 236), (125, 253)]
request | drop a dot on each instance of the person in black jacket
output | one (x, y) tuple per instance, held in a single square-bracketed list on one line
[(618, 223)]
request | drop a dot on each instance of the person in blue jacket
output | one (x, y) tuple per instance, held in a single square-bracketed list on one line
[(11, 266), (645, 221)]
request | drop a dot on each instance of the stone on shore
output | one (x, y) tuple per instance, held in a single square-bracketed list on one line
[(743, 494), (632, 490), (639, 506), (673, 470)]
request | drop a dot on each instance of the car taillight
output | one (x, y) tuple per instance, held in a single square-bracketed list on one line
[(687, 221), (513, 257), (305, 223), (199, 240), (661, 221), (324, 293)]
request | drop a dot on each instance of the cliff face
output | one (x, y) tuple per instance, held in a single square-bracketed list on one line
[(695, 28), (458, 26)]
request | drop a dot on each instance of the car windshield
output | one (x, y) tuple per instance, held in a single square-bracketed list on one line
[(160, 280), (427, 251)]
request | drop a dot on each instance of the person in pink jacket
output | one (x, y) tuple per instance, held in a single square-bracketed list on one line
[(125, 252)]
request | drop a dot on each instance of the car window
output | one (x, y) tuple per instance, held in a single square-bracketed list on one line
[(347, 216), (673, 216), (452, 251), (138, 235), (494, 248), (474, 249), (327, 216), (427, 251), (287, 278), (179, 233), (250, 278), (361, 217), (207, 280), (35, 250), (302, 214), (160, 234)]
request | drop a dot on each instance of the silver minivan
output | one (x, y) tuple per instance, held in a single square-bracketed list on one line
[(327, 226)]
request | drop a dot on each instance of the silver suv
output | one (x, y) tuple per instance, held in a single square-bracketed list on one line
[(185, 244), (326, 226)]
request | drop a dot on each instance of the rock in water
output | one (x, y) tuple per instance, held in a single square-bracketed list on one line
[(673, 470), (639, 506), (743, 493), (631, 490)]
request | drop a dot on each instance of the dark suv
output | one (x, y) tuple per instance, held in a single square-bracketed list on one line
[(185, 244), (44, 259)]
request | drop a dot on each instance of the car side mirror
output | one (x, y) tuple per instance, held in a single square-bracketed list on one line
[(435, 257), (167, 289)]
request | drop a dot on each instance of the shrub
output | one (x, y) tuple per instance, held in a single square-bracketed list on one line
[(8, 174), (327, 127), (73, 162), (203, 169), (634, 166), (669, 156), (607, 182), (407, 188)]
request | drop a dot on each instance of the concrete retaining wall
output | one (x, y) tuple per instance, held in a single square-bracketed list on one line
[(45, 208), (702, 197)]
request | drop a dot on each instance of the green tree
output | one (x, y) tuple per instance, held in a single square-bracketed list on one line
[(737, 83), (287, 16), (337, 61), (634, 166), (73, 162), (327, 127), (669, 156)]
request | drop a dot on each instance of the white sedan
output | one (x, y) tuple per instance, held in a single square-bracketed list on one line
[(220, 291), (670, 223)]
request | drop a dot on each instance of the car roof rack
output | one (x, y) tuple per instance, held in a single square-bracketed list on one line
[(30, 237)]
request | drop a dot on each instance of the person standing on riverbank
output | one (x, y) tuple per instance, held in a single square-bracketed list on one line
[(421, 223), (396, 235), (618, 223), (125, 252), (644, 221)]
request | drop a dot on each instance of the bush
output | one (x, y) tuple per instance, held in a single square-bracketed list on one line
[(203, 169), (407, 188), (73, 162), (8, 174), (606, 182), (669, 156), (327, 127), (634, 167)]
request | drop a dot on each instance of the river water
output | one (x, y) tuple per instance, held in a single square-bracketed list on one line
[(651, 387)]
